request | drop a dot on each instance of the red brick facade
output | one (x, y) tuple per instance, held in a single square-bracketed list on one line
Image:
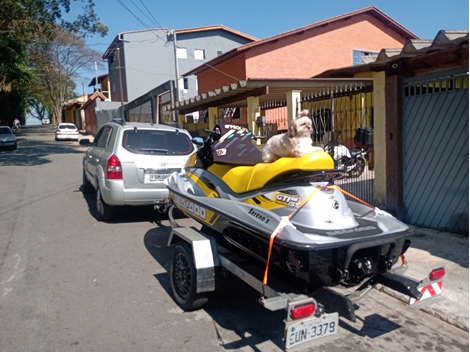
[(304, 54)]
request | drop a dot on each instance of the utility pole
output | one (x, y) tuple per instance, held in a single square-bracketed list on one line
[(177, 71), (83, 90), (120, 83), (96, 75)]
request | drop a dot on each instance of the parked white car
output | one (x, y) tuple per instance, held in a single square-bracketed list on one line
[(66, 131)]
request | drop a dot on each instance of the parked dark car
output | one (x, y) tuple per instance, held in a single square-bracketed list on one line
[(7, 138)]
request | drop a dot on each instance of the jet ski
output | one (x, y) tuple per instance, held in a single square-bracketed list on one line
[(287, 215)]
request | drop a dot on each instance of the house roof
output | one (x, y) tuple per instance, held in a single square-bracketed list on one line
[(121, 35), (100, 79), (93, 97), (444, 39), (270, 91), (371, 10), (215, 27)]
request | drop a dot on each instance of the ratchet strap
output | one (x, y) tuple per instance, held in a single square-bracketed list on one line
[(285, 220), (350, 195), (280, 226)]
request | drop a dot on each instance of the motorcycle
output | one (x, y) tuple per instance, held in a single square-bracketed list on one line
[(353, 161)]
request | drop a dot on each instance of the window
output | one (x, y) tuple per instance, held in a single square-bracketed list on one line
[(363, 57), (199, 54), (185, 83), (101, 139), (181, 53), (156, 142)]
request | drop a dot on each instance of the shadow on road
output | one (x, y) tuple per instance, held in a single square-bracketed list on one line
[(33, 152), (450, 246), (125, 214), (233, 306)]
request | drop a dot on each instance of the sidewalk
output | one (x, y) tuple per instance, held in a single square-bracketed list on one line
[(429, 250)]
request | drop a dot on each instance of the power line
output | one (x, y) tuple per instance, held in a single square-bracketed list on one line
[(156, 22), (137, 17), (151, 14)]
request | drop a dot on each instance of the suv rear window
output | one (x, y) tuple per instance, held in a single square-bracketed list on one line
[(157, 142)]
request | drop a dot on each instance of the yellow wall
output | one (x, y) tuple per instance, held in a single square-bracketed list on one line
[(69, 115), (380, 182)]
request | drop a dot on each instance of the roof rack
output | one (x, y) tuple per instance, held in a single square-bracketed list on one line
[(120, 121), (171, 123)]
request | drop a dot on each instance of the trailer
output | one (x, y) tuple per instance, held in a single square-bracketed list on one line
[(197, 262)]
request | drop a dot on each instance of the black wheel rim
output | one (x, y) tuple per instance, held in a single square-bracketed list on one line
[(182, 275)]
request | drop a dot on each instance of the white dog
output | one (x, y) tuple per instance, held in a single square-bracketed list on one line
[(296, 142)]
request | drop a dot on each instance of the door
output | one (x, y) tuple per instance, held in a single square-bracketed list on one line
[(435, 147), (93, 154)]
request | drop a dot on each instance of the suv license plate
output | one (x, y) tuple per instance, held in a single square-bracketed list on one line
[(311, 329), (158, 177)]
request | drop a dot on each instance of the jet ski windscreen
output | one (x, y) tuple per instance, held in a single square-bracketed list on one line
[(235, 146)]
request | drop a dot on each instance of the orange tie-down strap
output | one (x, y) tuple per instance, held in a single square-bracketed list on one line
[(284, 221)]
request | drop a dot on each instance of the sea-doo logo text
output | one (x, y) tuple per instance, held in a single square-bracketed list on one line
[(335, 204), (190, 207), (258, 216), (345, 231), (221, 152), (291, 201)]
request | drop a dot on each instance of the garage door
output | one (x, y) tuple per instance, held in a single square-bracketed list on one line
[(435, 146)]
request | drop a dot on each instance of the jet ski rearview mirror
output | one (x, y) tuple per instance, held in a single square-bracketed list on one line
[(198, 141)]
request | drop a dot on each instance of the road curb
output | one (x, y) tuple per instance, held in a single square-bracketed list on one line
[(428, 310)]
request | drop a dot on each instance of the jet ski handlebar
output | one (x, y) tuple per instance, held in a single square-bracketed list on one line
[(215, 133)]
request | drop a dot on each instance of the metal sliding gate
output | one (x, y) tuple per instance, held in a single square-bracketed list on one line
[(435, 146), (338, 114), (346, 120)]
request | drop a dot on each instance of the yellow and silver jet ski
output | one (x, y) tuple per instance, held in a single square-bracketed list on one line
[(288, 213)]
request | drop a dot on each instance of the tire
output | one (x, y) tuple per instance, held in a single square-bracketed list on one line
[(103, 211), (183, 278), (87, 187), (359, 168)]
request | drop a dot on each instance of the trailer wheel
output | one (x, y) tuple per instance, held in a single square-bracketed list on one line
[(183, 278)]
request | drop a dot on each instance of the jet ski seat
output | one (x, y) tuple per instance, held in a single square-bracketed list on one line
[(249, 178)]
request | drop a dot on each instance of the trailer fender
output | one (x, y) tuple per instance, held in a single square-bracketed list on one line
[(204, 253)]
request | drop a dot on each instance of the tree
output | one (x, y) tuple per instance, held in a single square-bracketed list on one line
[(15, 78), (57, 63), (25, 27)]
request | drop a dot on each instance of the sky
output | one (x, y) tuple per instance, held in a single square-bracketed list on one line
[(262, 19)]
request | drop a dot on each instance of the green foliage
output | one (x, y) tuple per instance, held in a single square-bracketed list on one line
[(14, 73), (12, 105), (28, 31)]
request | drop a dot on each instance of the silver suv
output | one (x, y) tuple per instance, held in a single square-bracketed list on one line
[(127, 163)]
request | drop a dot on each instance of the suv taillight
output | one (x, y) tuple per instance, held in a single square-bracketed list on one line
[(113, 168)]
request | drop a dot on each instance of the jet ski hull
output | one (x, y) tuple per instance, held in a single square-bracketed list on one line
[(316, 248)]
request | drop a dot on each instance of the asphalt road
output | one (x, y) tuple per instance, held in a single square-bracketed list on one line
[(71, 283)]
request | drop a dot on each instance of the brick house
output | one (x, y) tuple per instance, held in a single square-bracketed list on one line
[(349, 39)]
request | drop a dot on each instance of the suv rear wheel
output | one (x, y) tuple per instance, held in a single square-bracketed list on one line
[(103, 211)]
